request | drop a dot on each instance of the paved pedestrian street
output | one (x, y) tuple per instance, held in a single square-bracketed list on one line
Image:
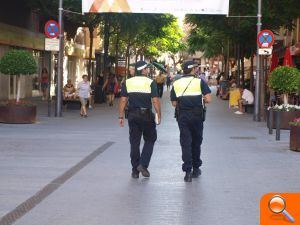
[(76, 171)]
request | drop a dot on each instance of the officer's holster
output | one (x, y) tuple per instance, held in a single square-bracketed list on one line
[(142, 113)]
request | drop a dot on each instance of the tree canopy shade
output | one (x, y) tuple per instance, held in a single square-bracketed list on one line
[(207, 29), (18, 62)]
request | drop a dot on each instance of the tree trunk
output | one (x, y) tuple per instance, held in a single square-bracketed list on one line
[(252, 74), (91, 30), (238, 75), (117, 55), (128, 58), (106, 40), (242, 68), (223, 64), (226, 70), (285, 99), (175, 65), (18, 88), (136, 55), (228, 67)]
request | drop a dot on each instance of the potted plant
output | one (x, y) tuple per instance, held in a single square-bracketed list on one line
[(285, 80), (295, 135), (17, 63)]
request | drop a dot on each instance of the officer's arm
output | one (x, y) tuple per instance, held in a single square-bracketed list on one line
[(206, 92), (122, 106), (156, 104), (207, 98)]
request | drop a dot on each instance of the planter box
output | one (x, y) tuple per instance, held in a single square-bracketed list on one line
[(295, 138), (17, 114), (285, 119)]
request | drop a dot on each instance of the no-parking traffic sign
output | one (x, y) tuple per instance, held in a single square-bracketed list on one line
[(265, 39), (52, 29)]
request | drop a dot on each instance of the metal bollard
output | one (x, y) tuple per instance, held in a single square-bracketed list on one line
[(271, 115), (277, 123)]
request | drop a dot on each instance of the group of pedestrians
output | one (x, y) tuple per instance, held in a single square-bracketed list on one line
[(188, 95)]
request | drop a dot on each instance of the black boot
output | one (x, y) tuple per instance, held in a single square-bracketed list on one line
[(135, 174), (143, 170), (196, 173), (188, 177)]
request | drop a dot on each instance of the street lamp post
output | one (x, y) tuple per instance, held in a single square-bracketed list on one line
[(58, 112), (258, 70)]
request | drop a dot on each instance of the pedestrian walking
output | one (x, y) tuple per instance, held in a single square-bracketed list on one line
[(188, 95), (160, 80), (140, 92), (168, 82), (110, 88), (44, 83), (84, 90)]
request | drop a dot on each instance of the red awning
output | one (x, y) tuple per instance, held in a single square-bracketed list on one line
[(274, 62), (287, 60)]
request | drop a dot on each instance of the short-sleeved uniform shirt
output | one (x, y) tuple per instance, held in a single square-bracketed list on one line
[(139, 90), (191, 97)]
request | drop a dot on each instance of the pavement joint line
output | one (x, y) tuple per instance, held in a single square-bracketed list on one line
[(36, 199)]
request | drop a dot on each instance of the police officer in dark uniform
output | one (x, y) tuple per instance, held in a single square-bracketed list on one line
[(140, 92), (188, 95)]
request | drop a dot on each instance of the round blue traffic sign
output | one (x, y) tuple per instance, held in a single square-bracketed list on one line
[(52, 29), (265, 39)]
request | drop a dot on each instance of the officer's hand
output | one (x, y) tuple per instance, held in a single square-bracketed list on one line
[(158, 120), (121, 122)]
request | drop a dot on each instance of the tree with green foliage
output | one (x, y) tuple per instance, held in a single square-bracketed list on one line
[(137, 31), (172, 42), (17, 63), (212, 33), (285, 80)]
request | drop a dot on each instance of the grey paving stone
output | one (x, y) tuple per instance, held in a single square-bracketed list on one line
[(236, 173)]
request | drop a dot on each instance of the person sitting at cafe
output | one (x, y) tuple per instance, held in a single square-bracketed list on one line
[(234, 96), (247, 99), (69, 90)]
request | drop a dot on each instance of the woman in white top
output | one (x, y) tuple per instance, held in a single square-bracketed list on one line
[(84, 90)]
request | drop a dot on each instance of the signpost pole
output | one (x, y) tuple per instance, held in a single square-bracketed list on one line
[(49, 84), (60, 62), (257, 83)]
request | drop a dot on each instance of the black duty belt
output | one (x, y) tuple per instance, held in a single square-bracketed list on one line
[(198, 109), (140, 110)]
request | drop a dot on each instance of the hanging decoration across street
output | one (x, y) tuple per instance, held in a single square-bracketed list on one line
[(154, 6)]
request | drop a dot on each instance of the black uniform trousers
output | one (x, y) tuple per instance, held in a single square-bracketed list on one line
[(141, 124), (191, 135)]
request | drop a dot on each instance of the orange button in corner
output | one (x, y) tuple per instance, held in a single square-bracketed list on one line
[(280, 209)]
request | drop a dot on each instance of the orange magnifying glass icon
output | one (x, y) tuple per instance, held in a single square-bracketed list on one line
[(277, 205)]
